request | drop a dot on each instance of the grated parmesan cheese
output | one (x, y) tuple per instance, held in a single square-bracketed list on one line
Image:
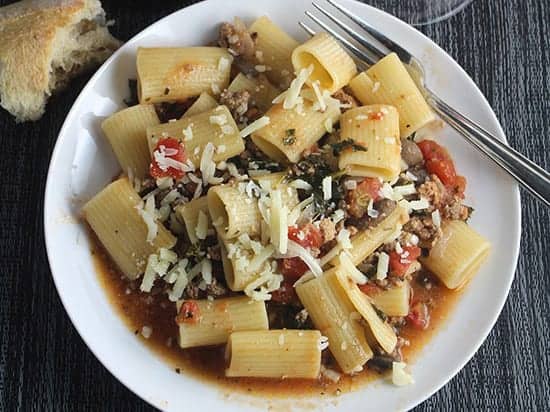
[(254, 126), (300, 184), (323, 343), (399, 376), (146, 332), (206, 270), (319, 96), (291, 98), (223, 64), (201, 230), (382, 266), (436, 218), (327, 188), (371, 211), (343, 239), (338, 215), (357, 276), (350, 184), (148, 214)]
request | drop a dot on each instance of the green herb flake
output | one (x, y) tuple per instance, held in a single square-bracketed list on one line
[(290, 137), (337, 148)]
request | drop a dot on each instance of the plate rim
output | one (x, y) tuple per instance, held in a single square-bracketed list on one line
[(116, 372)]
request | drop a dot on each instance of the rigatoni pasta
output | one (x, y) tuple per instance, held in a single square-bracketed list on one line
[(300, 242), (126, 132), (375, 127), (289, 133), (169, 74), (457, 255), (215, 126), (275, 354), (273, 51), (218, 319), (333, 68), (389, 82), (114, 216)]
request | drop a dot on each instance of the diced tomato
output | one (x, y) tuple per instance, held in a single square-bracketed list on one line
[(307, 236), (169, 148), (444, 169), (369, 289), (419, 316), (399, 263), (285, 294), (359, 198), (292, 268), (189, 312), (439, 162)]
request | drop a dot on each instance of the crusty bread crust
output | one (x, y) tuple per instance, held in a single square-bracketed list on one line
[(32, 33)]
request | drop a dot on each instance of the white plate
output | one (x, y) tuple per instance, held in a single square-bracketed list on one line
[(82, 163)]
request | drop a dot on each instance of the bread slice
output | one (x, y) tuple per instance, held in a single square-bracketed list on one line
[(43, 44)]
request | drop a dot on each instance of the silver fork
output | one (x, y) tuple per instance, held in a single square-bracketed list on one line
[(530, 175)]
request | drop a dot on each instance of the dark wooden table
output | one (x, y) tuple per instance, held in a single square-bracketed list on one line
[(44, 365)]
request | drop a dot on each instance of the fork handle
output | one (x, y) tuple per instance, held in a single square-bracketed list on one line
[(527, 173)]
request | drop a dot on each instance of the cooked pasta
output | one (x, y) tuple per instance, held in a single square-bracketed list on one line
[(375, 127), (170, 74), (126, 132), (333, 68), (274, 354), (274, 217), (217, 320), (389, 82), (273, 51), (289, 133), (203, 103), (457, 255), (197, 131), (333, 314), (114, 216)]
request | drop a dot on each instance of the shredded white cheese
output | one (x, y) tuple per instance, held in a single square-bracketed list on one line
[(319, 96), (254, 126), (201, 230), (338, 215), (300, 184), (357, 276), (343, 239), (371, 211), (399, 376), (291, 99), (323, 343), (382, 266), (148, 214), (436, 218), (327, 187), (223, 64)]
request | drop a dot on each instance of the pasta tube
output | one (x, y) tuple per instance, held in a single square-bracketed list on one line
[(389, 82), (190, 214), (204, 103), (113, 216), (382, 332), (274, 354), (333, 314), (126, 132), (333, 68), (376, 128), (233, 212), (172, 73), (219, 318), (273, 51), (367, 241), (262, 92), (394, 301), (289, 133), (198, 130), (457, 255)]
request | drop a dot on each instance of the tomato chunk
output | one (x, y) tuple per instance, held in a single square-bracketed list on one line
[(307, 236), (285, 294), (399, 263), (359, 198), (369, 289), (419, 316), (189, 312), (168, 159), (439, 163), (292, 268)]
